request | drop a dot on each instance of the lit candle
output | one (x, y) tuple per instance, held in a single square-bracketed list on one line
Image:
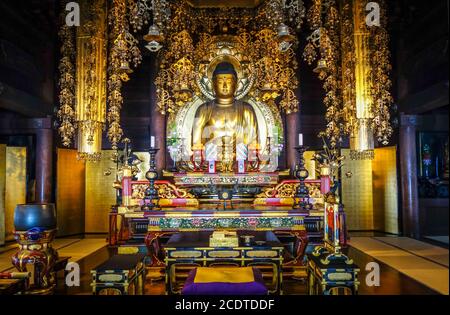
[(152, 141), (300, 139)]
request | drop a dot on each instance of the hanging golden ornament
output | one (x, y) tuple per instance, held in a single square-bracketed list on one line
[(380, 78), (91, 79), (309, 54), (124, 54), (264, 41), (66, 112), (183, 76)]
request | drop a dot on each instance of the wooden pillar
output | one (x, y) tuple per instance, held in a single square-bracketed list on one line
[(2, 191), (157, 123), (292, 130), (44, 165), (408, 169), (158, 129)]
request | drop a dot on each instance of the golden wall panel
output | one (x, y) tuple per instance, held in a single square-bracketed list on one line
[(310, 164), (385, 190), (143, 167), (357, 193), (2, 192), (100, 194), (15, 188), (70, 192)]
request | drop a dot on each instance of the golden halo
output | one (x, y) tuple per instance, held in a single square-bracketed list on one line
[(225, 50)]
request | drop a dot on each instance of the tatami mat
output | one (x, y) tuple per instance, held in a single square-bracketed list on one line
[(75, 248), (419, 267), (427, 251), (82, 248)]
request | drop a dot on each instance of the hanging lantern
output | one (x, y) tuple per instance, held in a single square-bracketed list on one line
[(284, 37), (154, 38), (125, 67), (321, 66)]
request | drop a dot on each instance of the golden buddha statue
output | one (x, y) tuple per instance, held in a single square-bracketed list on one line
[(225, 121)]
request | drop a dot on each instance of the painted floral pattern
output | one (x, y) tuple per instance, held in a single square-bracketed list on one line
[(253, 223)]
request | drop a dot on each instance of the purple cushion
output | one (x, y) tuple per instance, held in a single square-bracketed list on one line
[(256, 287)]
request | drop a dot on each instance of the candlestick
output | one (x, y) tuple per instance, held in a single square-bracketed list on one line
[(151, 200), (301, 196)]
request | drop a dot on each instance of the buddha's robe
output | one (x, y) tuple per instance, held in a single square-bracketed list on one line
[(213, 122)]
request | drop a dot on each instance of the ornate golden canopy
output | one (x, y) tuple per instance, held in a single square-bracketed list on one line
[(225, 4), (257, 37)]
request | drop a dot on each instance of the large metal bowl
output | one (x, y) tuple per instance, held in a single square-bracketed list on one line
[(30, 216)]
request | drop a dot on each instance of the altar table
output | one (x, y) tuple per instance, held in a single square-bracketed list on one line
[(192, 249)]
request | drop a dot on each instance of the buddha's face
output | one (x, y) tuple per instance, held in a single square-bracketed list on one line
[(224, 86)]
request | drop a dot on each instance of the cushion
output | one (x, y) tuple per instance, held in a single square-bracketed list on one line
[(224, 281)]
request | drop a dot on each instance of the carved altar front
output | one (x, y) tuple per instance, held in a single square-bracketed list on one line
[(271, 210)]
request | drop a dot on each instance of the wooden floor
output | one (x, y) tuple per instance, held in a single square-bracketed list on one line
[(76, 248), (406, 266), (393, 282), (425, 263)]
